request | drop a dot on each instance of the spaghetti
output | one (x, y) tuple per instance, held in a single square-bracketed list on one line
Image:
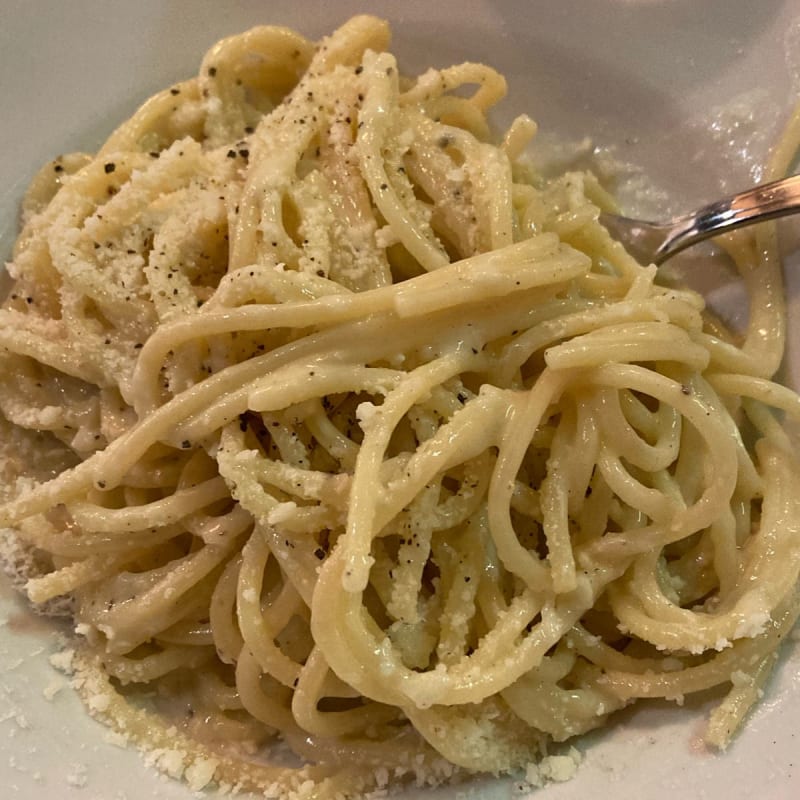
[(370, 441)]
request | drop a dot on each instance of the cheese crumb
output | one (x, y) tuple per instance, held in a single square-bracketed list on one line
[(386, 237), (99, 702), (365, 414), (281, 513), (553, 769), (200, 773), (62, 661), (52, 689)]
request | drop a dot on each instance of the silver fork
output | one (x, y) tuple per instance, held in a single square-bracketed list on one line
[(655, 242)]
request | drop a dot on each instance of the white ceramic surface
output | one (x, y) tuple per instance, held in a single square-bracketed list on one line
[(688, 94)]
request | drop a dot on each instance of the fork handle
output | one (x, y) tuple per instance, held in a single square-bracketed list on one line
[(768, 201)]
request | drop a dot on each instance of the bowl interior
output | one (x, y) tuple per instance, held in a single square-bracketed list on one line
[(674, 101)]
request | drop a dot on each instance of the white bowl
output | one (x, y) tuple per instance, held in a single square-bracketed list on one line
[(689, 95)]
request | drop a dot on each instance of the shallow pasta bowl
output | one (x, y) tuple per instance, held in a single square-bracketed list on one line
[(657, 129)]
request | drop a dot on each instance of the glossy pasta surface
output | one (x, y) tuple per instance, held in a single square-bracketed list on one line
[(363, 438)]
